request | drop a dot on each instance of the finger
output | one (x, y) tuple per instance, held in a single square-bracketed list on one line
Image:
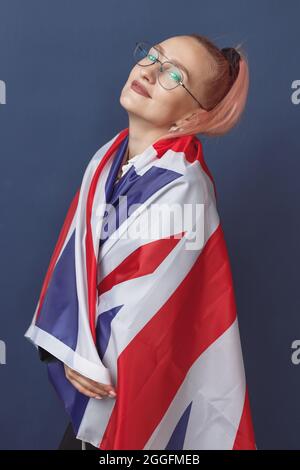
[(85, 382), (85, 390), (77, 379), (89, 383), (109, 389), (92, 383)]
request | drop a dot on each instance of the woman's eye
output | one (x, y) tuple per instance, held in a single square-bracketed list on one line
[(175, 76), (152, 57)]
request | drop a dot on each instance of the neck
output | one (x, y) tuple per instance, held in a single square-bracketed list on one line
[(141, 135)]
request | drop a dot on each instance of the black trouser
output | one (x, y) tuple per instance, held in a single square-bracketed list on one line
[(69, 441)]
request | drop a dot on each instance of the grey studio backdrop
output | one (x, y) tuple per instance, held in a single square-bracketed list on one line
[(62, 67)]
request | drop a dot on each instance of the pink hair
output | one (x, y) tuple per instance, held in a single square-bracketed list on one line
[(224, 100)]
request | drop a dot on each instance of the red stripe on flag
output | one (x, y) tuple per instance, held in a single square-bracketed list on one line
[(142, 261), (91, 261), (245, 438), (192, 148), (154, 364), (58, 247)]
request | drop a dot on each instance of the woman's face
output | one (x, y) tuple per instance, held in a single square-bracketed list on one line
[(165, 107)]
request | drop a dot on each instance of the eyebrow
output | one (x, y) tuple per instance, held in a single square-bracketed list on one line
[(175, 62)]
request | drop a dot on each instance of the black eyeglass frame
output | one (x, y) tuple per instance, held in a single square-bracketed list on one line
[(161, 64)]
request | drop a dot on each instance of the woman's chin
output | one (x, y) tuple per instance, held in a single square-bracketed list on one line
[(130, 103)]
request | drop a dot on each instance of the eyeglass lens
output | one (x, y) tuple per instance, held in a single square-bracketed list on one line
[(169, 75)]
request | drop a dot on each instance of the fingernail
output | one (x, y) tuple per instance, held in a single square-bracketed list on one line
[(98, 398), (112, 394)]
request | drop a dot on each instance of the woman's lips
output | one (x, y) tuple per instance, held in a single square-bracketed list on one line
[(138, 88)]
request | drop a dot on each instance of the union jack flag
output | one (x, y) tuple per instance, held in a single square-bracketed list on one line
[(155, 316)]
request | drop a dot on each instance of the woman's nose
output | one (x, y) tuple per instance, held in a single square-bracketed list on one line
[(150, 72)]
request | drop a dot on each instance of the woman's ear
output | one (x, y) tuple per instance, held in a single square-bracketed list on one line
[(182, 122), (176, 127), (190, 117)]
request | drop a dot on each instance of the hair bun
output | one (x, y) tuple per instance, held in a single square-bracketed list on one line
[(233, 57)]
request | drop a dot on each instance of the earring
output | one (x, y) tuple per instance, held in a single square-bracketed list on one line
[(174, 128)]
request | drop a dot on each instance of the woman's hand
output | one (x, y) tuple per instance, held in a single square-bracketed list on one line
[(88, 387)]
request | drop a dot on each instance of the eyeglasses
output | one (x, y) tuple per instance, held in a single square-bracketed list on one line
[(169, 75)]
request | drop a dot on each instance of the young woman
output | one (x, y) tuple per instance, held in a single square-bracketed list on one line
[(177, 88)]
